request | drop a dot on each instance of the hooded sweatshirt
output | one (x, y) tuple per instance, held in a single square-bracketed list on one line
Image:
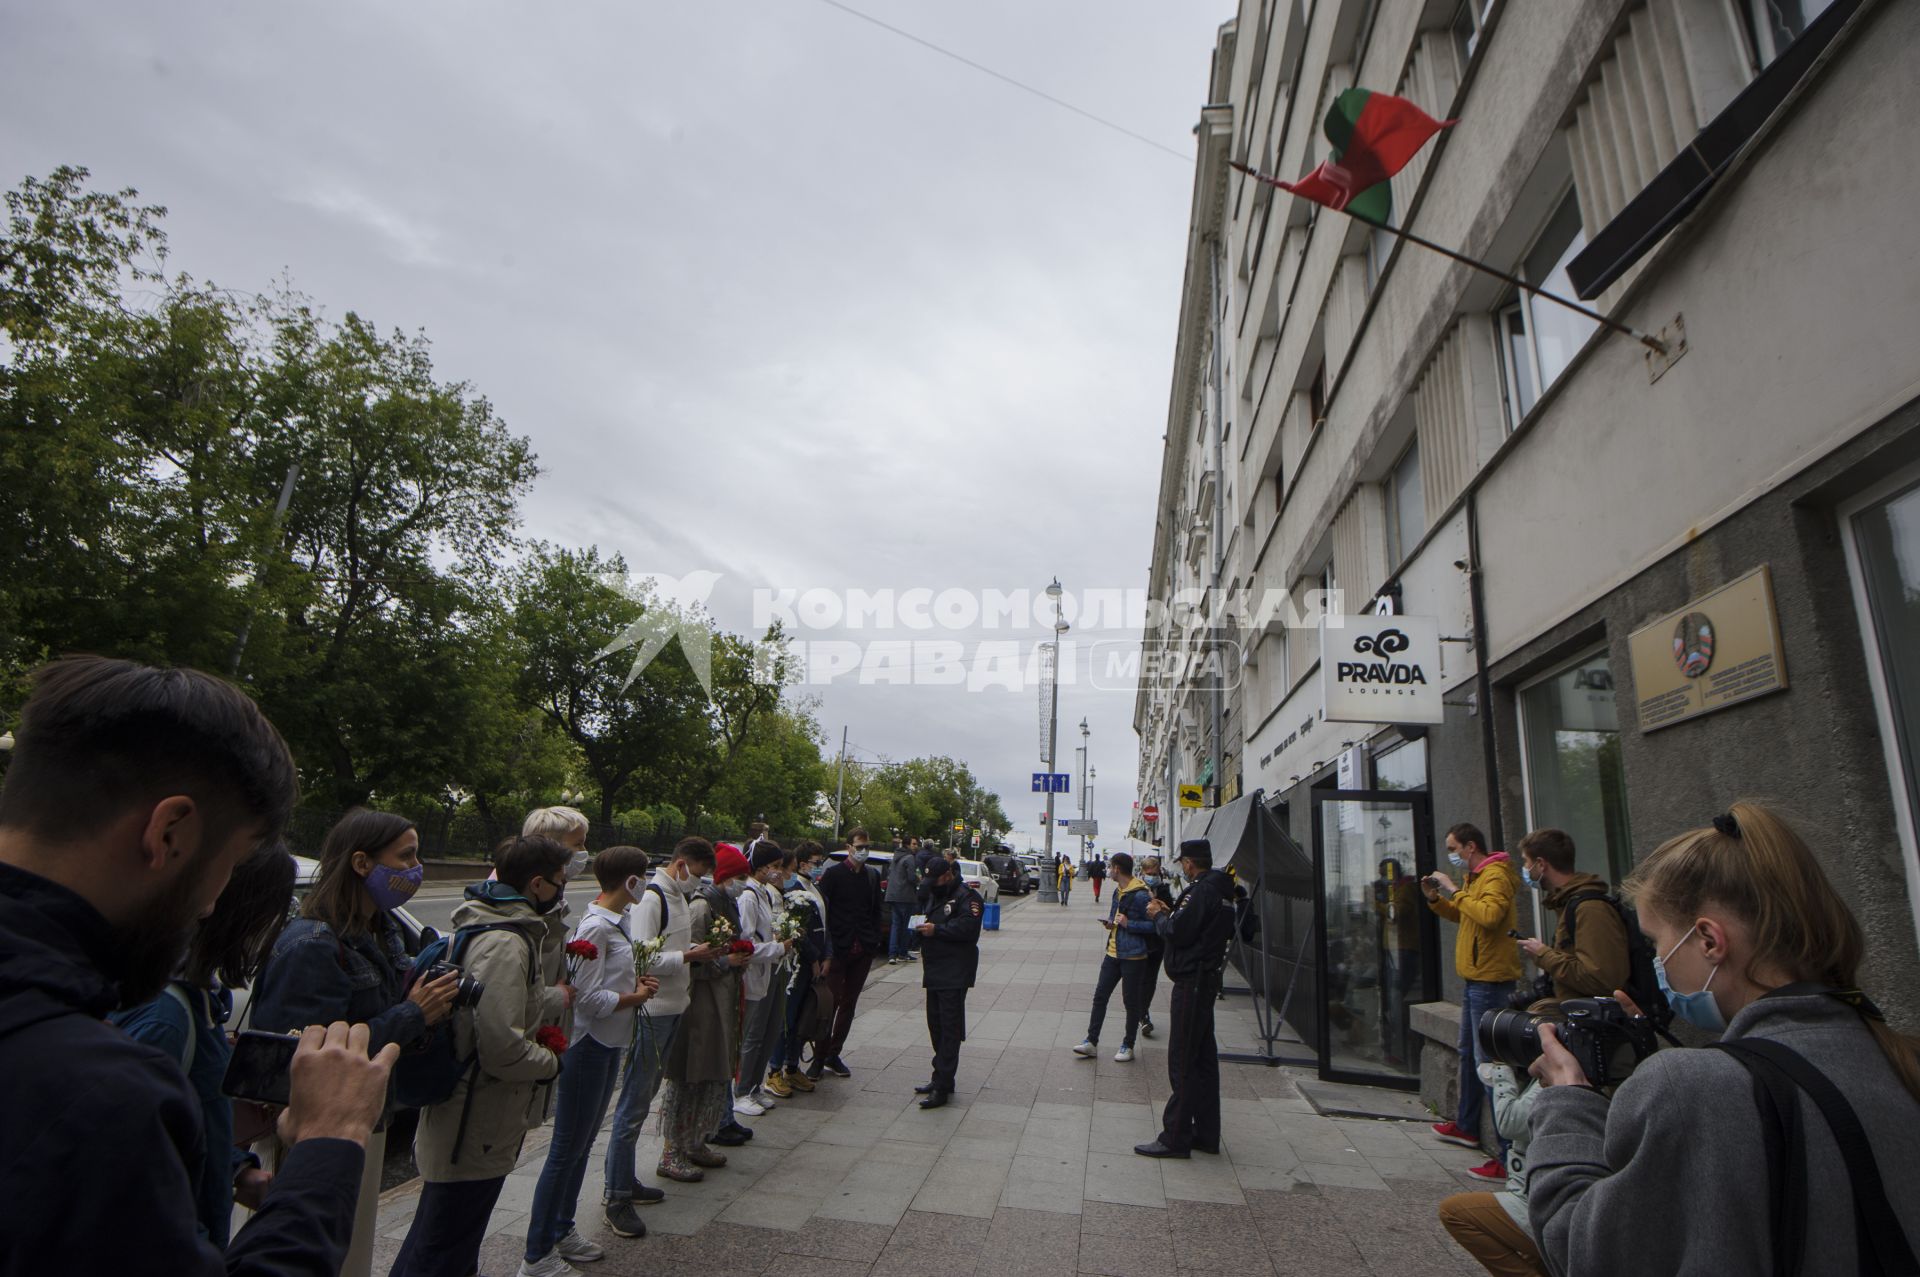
[(1486, 907), (100, 1129)]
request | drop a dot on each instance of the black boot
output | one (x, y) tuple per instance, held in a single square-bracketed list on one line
[(934, 1100)]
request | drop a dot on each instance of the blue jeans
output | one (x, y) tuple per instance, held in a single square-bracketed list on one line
[(1479, 997), (587, 1074), (900, 942), (636, 1101)]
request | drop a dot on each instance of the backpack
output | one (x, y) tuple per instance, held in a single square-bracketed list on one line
[(427, 1074), (1643, 985)]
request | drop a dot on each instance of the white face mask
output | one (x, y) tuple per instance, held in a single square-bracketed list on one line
[(576, 866), (734, 886), (858, 855), (633, 888)]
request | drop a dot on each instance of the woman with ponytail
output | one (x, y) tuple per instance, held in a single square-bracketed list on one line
[(1789, 1146)]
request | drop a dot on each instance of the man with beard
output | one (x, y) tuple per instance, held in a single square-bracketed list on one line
[(950, 959), (131, 795)]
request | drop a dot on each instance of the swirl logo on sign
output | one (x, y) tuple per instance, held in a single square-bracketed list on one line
[(1385, 643)]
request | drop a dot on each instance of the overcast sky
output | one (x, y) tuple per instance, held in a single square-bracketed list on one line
[(775, 293)]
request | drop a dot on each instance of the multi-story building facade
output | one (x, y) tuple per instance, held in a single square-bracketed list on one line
[(1664, 581)]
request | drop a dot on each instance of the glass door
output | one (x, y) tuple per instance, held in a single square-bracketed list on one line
[(1377, 937)]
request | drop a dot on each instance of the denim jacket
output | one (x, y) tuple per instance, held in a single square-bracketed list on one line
[(314, 976), (1129, 914)]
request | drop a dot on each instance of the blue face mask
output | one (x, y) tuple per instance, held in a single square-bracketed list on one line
[(1526, 876), (1698, 1009), (1457, 860)]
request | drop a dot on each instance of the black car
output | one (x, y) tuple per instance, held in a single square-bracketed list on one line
[(1008, 872)]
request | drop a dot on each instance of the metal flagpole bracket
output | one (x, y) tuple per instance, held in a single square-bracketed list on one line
[(1673, 340)]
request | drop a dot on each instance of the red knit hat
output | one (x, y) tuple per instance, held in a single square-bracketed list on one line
[(729, 862)]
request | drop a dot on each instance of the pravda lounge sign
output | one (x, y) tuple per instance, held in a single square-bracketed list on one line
[(1381, 669)]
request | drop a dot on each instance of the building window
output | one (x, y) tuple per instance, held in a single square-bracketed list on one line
[(1570, 739), (1317, 398), (1538, 339), (1772, 25), (1885, 549), (1406, 506), (1402, 767), (1469, 23)]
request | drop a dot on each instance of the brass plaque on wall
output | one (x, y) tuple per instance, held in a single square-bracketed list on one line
[(1719, 650)]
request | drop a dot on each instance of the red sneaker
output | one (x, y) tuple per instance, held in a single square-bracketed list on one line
[(1453, 1134), (1489, 1170)]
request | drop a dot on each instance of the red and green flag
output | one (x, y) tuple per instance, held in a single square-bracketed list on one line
[(1373, 136)]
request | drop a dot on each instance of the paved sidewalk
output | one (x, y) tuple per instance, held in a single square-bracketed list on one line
[(1031, 1170)]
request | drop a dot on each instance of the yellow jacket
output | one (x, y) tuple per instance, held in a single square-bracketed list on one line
[(1486, 907)]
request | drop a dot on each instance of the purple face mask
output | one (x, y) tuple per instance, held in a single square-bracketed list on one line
[(392, 888)]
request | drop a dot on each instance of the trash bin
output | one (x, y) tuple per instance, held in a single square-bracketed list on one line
[(990, 917)]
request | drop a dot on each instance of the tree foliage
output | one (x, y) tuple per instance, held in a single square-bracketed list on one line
[(414, 651)]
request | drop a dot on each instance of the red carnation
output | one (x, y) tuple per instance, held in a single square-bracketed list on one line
[(740, 946), (550, 1036), (583, 949)]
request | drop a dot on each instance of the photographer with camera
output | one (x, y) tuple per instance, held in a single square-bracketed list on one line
[(1588, 957), (131, 796), (1484, 953), (468, 1143), (345, 958), (1790, 1147)]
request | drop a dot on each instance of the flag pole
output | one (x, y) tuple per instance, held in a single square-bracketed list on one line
[(1654, 344)]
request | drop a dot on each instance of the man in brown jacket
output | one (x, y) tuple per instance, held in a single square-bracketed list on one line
[(1588, 957)]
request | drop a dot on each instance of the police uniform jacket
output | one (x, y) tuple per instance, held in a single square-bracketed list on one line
[(1198, 929), (950, 957)]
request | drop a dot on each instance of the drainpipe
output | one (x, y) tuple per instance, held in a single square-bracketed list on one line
[(1219, 500), (1483, 682)]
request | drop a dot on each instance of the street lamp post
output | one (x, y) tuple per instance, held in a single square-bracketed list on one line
[(1053, 716)]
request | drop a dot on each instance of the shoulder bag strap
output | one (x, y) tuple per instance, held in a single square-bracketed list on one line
[(1780, 1128), (193, 1026), (1881, 1236), (1570, 915)]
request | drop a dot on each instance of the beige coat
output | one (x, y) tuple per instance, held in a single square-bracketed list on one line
[(513, 1090)]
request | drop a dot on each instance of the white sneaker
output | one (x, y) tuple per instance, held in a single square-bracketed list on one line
[(765, 1101), (577, 1248), (552, 1266), (745, 1106), (1086, 1050), (1124, 1055)]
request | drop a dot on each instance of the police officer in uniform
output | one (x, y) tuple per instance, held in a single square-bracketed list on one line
[(1196, 931), (949, 960)]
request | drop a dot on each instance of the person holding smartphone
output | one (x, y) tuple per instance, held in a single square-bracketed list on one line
[(345, 958)]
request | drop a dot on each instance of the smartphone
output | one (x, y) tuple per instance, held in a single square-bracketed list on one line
[(259, 1069)]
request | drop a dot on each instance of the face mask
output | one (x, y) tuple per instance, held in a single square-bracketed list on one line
[(859, 855), (577, 866), (391, 888), (1154, 880), (814, 871), (1457, 860), (633, 888), (734, 886), (551, 903), (1526, 876), (1698, 1009)]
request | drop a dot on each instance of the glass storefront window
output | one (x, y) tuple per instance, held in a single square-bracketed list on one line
[(1887, 535), (1372, 970), (1403, 767), (1571, 737)]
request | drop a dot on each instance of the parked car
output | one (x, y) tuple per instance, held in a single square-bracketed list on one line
[(1009, 873), (1030, 865), (975, 875)]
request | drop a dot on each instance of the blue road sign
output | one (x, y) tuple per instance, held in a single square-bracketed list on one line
[(1052, 782)]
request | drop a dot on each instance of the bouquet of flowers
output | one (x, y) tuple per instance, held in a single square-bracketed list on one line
[(792, 926), (720, 934), (646, 953), (550, 1036), (579, 951)]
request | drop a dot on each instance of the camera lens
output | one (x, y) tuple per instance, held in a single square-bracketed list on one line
[(1511, 1037)]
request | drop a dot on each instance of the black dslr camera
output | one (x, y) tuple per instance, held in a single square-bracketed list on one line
[(466, 991), (1599, 1033)]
